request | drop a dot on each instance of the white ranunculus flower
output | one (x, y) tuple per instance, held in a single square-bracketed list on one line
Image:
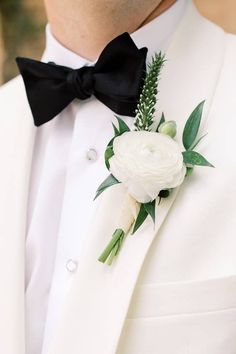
[(146, 163)]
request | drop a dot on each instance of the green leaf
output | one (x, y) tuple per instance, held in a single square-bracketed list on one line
[(108, 154), (150, 209), (116, 131), (109, 181), (161, 121), (123, 127), (192, 126), (111, 142), (194, 158), (197, 142), (142, 215)]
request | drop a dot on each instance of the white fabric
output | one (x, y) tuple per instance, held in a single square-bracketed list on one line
[(172, 288), (63, 184)]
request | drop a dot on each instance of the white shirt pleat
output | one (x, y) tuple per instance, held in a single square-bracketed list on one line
[(44, 225)]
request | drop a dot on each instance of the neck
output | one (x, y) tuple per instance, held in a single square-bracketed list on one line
[(220, 12), (85, 27)]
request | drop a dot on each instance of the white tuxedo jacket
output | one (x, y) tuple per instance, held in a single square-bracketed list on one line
[(172, 289)]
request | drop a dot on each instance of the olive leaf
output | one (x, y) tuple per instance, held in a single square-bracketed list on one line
[(109, 181), (192, 126), (194, 158), (116, 130), (123, 127), (145, 210), (197, 142), (150, 209), (142, 215), (161, 121), (108, 154)]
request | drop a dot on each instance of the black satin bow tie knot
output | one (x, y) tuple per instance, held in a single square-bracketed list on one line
[(116, 80), (81, 82)]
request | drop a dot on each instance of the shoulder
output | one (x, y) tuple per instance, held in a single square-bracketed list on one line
[(231, 44), (222, 13), (13, 100), (12, 92), (229, 64)]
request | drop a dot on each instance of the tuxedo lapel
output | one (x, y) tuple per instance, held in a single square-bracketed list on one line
[(192, 69), (100, 295), (16, 145)]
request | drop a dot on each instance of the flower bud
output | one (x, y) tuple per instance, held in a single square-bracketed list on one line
[(168, 128)]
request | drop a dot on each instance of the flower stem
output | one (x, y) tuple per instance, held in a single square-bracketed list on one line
[(113, 247)]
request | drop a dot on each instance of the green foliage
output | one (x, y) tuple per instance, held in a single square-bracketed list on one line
[(197, 142), (192, 126), (113, 247), (108, 154), (190, 141), (17, 21), (109, 181), (163, 119), (194, 158), (147, 102), (145, 210), (142, 215), (9, 7), (150, 209), (122, 128)]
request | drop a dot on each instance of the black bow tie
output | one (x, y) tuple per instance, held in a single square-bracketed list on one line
[(116, 80)]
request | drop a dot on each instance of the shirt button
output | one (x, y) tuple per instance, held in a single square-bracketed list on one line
[(71, 265), (92, 155)]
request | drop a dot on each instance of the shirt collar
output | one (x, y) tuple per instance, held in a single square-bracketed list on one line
[(155, 36)]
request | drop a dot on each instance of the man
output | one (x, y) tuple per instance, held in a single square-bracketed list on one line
[(173, 288)]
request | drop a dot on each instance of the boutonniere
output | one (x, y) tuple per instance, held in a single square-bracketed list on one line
[(147, 160)]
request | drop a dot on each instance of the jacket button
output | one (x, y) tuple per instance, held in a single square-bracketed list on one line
[(71, 265), (92, 155)]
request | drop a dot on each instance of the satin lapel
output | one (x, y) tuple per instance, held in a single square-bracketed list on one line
[(16, 145), (99, 298)]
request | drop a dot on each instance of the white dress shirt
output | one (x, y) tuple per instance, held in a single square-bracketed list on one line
[(68, 166)]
